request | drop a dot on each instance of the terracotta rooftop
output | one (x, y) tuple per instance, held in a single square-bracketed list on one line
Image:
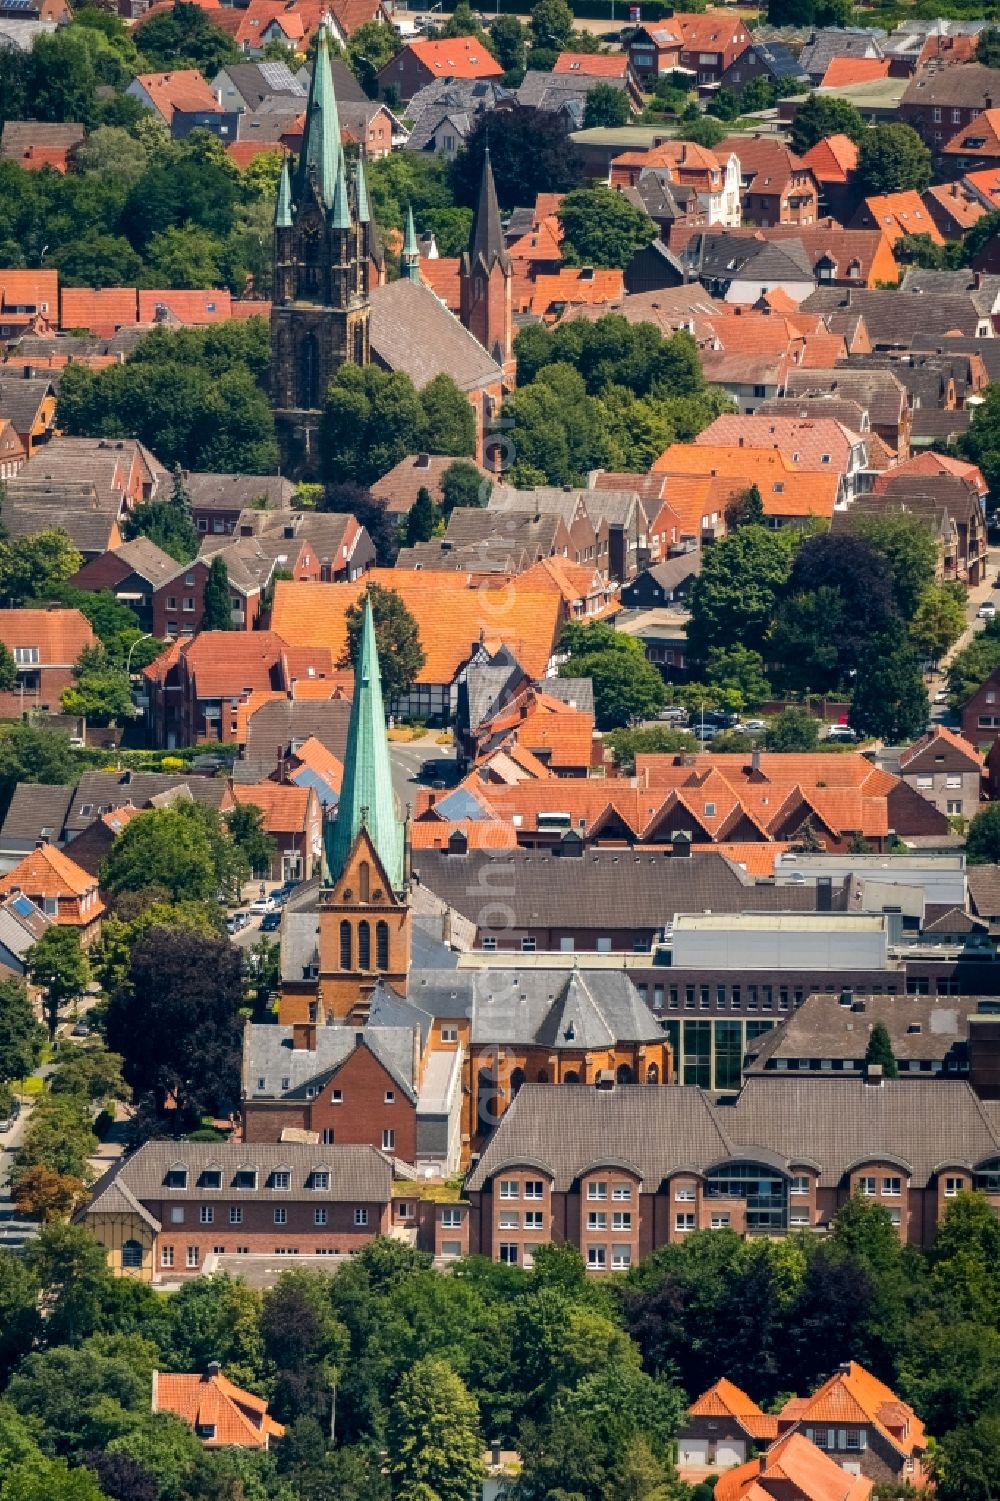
[(833, 158), (222, 1415), (843, 71), (898, 214), (725, 1399), (785, 490), (283, 805), (456, 57), (184, 89), (593, 64), (59, 635), (854, 1395), (47, 872)]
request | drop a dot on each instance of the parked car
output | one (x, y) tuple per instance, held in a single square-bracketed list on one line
[(237, 921), (673, 714), (81, 1030), (752, 726), (941, 696), (270, 922), (261, 905), (987, 610), (8, 1120), (706, 732), (843, 733)]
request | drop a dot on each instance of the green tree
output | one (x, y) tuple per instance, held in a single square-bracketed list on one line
[(891, 159), (21, 1036), (8, 670), (551, 24), (30, 754), (965, 1464), (602, 228), (626, 686), (906, 544), (627, 744), (173, 848), (745, 508), (794, 729), (245, 823), (825, 115), (988, 47), (464, 484), (980, 444), (734, 596), (741, 671), (449, 424), (890, 699), (59, 1138), (421, 519), (218, 608), (218, 1318), (397, 636), (507, 41), (982, 843), (434, 1447), (98, 260), (606, 106), (879, 1051), (101, 690), (185, 37), (971, 666), (36, 567), (59, 966), (122, 929), (371, 419), (938, 620), (370, 47), (183, 255), (703, 130), (530, 153)]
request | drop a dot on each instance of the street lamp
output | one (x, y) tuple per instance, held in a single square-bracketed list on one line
[(128, 660)]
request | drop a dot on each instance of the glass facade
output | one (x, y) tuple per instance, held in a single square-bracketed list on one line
[(764, 1191), (708, 1051)]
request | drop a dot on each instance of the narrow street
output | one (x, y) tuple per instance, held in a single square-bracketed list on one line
[(987, 590)]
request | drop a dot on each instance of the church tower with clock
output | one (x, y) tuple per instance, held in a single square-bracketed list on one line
[(324, 243)]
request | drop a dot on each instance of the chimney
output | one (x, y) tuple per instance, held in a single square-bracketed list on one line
[(755, 760), (304, 1037), (873, 1075), (213, 1370)]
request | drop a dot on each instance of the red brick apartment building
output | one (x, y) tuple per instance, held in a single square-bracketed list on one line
[(620, 1172)]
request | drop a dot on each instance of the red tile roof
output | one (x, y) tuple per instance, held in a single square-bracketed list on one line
[(833, 158), (724, 1399), (593, 64), (785, 489), (843, 71), (572, 284), (184, 89), (456, 57), (186, 307), (854, 1395), (981, 137), (102, 310), (237, 1418), (444, 279), (898, 214), (36, 289), (957, 203), (285, 807), (59, 635)]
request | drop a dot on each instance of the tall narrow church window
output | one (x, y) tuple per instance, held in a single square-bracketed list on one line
[(345, 946), (359, 344), (382, 945), (364, 879), (364, 946), (309, 373)]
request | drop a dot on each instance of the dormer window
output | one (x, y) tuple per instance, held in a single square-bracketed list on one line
[(281, 1179), (245, 1177), (176, 1176), (319, 1179), (211, 1178)]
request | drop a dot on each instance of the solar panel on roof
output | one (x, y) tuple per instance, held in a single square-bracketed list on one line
[(22, 906)]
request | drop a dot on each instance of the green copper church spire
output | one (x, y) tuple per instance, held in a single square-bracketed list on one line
[(410, 259), (283, 212), (361, 190), (321, 149), (366, 797), (340, 217)]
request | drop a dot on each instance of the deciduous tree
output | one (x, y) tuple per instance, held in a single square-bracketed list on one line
[(602, 228), (58, 964), (397, 636), (890, 699), (892, 159), (825, 115), (21, 1036), (626, 686), (434, 1446)]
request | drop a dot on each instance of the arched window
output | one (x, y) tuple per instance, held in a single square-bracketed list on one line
[(309, 373), (543, 1077), (624, 1074), (382, 945), (346, 958), (364, 946), (487, 1101), (571, 1077), (652, 1074), (516, 1080), (364, 879), (132, 1254)]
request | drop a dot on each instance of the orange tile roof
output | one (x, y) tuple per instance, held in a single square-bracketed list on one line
[(542, 243), (725, 1399), (756, 859), (810, 443), (245, 152), (100, 309), (456, 57), (984, 129), (60, 635), (313, 755), (855, 1395), (813, 1475), (453, 614), (186, 307), (443, 276), (957, 202), (932, 462), (482, 834), (576, 284), (785, 490), (593, 64), (29, 289), (48, 872), (843, 71), (986, 182), (574, 581), (899, 214), (184, 89), (283, 805), (240, 1419)]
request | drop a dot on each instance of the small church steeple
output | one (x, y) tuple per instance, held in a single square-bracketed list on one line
[(410, 258), (486, 275), (366, 797)]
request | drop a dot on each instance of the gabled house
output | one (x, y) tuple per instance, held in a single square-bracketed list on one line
[(45, 644), (723, 1428), (30, 408), (946, 769), (898, 214), (834, 164), (939, 102), (292, 819), (184, 89), (132, 573), (711, 42), (777, 187), (419, 63), (980, 713), (221, 1414), (35, 144), (654, 49), (22, 924), (861, 1424), (59, 888), (793, 1469)]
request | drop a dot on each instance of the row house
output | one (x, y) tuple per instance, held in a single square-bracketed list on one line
[(939, 103), (45, 645), (162, 1211), (62, 890), (620, 1171), (777, 187)]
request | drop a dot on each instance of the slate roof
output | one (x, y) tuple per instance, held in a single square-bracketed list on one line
[(834, 1123), (412, 331), (971, 85), (146, 560), (102, 791), (891, 317), (835, 41), (21, 924), (269, 1054), (21, 399), (719, 256), (883, 396), (984, 890), (589, 1009), (397, 489), (37, 810), (237, 492), (921, 1027), (287, 722), (606, 888), (357, 1173)]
